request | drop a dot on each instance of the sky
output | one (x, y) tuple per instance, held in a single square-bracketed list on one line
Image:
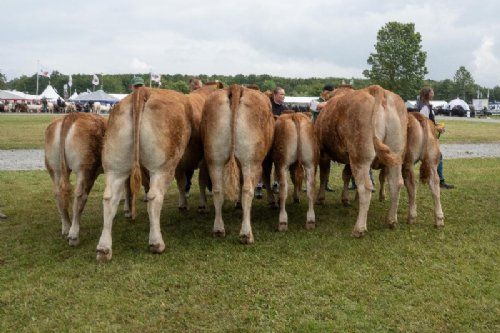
[(282, 38)]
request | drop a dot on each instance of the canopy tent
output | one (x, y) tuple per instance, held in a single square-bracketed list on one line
[(119, 96), (96, 96), (459, 102), (72, 97), (9, 95), (50, 94)]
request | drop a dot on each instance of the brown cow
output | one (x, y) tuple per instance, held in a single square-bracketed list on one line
[(356, 127), (294, 146), (237, 129), (422, 145), (149, 128), (193, 156), (74, 143)]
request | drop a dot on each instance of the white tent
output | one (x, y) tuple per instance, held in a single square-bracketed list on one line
[(50, 94), (72, 97), (460, 102), (119, 96)]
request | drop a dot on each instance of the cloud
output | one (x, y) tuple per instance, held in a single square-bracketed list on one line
[(139, 66), (486, 64)]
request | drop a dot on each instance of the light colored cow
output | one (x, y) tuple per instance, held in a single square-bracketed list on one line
[(237, 129), (294, 147), (422, 145), (149, 128), (74, 143), (96, 108), (356, 127), (193, 156)]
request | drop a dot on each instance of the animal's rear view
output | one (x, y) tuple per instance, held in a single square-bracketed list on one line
[(74, 143)]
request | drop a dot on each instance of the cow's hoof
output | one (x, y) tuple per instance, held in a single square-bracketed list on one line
[(320, 202), (157, 248), (219, 233), (103, 254), (381, 198), (439, 223), (310, 225), (296, 200), (358, 233), (412, 219), (345, 203), (283, 226), (202, 209), (127, 214), (73, 241), (237, 205), (182, 208), (246, 239)]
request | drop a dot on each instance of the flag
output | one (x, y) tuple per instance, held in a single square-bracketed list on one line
[(95, 80), (156, 77), (70, 81), (44, 72)]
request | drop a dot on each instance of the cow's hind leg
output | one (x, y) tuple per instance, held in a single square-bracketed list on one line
[(159, 183), (181, 179), (283, 216), (310, 182), (364, 190), (346, 177), (436, 195), (250, 173), (324, 173), (409, 181), (216, 174), (62, 203), (395, 181), (110, 202), (381, 179), (203, 180), (84, 181)]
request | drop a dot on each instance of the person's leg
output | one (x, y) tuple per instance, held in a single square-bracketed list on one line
[(442, 182)]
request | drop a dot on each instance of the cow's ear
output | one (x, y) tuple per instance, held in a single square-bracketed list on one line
[(220, 85), (275, 117)]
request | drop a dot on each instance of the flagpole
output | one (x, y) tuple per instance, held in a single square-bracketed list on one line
[(102, 81), (37, 72), (150, 74)]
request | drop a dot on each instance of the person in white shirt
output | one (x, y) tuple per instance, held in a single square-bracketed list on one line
[(425, 107)]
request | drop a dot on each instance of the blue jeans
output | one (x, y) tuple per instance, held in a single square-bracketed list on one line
[(440, 168)]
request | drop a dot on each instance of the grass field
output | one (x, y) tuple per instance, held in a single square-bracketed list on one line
[(411, 279), (27, 131)]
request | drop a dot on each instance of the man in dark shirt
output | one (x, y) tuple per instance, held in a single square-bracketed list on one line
[(278, 101)]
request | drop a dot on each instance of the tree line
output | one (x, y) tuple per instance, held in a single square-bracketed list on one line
[(398, 64)]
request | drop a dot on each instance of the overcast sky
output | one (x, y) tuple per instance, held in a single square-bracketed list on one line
[(285, 38)]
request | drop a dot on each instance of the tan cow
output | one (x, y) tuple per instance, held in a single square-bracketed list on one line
[(294, 147), (193, 156), (356, 127), (237, 129), (149, 128), (74, 143), (422, 145)]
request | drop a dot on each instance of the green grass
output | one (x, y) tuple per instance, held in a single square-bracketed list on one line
[(27, 131), (23, 131), (411, 279), (470, 132)]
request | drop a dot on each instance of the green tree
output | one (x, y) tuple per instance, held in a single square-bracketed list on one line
[(398, 63), (464, 84), (3, 81)]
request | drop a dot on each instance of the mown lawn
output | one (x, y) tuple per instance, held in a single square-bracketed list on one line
[(411, 279), (27, 131)]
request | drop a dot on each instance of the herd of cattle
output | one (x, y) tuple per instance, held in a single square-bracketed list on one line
[(66, 107), (230, 134)]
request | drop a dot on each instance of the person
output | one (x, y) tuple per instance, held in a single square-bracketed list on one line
[(278, 101), (316, 106), (425, 107), (195, 83), (45, 104), (136, 82)]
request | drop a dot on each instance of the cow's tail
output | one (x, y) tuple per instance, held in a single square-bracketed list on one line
[(425, 167), (139, 98), (231, 169), (299, 172), (383, 152), (64, 183)]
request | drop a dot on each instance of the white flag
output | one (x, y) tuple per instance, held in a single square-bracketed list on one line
[(95, 80), (156, 77), (70, 81), (44, 72)]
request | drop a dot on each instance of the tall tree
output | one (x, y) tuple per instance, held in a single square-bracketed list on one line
[(3, 81), (399, 62), (464, 84)]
